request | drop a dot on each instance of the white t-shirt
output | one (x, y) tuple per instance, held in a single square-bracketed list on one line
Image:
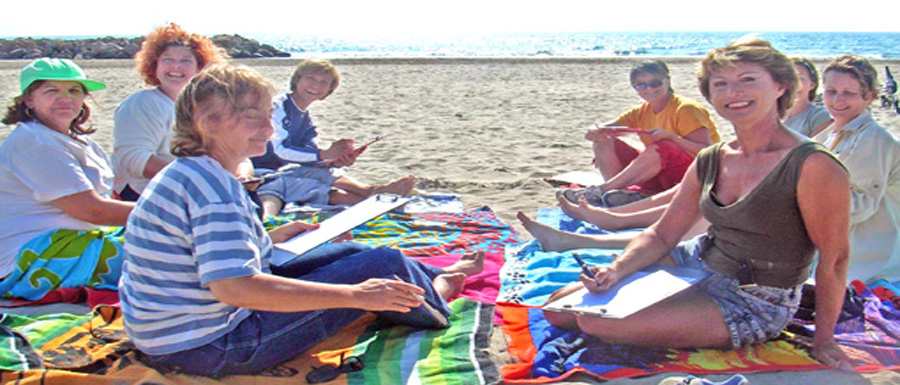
[(142, 127), (39, 165)]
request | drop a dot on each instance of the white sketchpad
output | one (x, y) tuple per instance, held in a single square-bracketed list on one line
[(634, 293), (581, 178), (340, 223)]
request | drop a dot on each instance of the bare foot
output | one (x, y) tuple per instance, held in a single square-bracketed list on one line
[(470, 263), (403, 186), (584, 211), (449, 285), (571, 209), (550, 238)]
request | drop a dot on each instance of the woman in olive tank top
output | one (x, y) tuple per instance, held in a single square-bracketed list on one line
[(773, 199)]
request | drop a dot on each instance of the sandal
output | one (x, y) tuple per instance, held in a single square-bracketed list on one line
[(592, 194), (613, 198), (329, 372)]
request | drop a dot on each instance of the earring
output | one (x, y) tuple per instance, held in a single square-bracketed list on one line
[(29, 113)]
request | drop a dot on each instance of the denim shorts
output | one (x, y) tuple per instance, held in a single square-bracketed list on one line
[(303, 184), (751, 314)]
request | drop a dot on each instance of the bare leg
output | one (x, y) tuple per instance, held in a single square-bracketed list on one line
[(552, 239), (686, 320), (611, 219), (605, 157), (403, 186), (643, 168), (341, 197), (470, 263), (272, 205), (563, 320)]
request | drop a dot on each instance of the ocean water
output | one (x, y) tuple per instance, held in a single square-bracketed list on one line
[(581, 44)]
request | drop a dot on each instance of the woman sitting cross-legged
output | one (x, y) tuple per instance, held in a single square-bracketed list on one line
[(198, 291)]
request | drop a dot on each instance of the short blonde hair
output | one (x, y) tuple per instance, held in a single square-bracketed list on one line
[(220, 83), (858, 67), (309, 67), (757, 52)]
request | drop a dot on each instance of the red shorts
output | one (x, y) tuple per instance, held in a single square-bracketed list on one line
[(675, 162)]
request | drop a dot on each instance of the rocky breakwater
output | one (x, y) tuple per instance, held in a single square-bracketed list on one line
[(238, 47)]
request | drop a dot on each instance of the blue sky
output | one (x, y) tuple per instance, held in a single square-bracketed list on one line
[(441, 17)]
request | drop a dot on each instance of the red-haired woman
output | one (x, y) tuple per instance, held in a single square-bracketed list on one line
[(168, 59)]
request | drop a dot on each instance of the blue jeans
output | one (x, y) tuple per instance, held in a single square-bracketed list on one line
[(266, 339)]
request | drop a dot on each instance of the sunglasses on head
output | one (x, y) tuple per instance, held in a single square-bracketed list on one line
[(652, 84)]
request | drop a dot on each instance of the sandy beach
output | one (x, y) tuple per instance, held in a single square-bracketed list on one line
[(488, 129)]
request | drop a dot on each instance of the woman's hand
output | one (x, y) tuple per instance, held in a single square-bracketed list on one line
[(658, 134), (829, 353), (604, 278), (378, 294), (287, 231), (338, 148)]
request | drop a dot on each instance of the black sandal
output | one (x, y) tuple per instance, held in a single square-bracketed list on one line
[(329, 372)]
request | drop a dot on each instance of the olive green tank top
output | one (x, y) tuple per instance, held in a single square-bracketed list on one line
[(764, 230)]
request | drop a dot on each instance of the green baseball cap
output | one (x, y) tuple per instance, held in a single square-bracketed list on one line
[(56, 69)]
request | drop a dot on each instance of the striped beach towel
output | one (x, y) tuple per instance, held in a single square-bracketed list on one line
[(390, 354)]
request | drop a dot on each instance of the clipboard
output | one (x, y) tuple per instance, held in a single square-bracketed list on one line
[(636, 292), (622, 130), (340, 223), (355, 151), (580, 178)]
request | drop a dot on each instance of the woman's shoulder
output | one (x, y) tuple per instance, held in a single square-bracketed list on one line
[(30, 135), (681, 103), (143, 97), (199, 176)]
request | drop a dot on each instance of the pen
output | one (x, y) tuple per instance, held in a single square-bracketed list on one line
[(584, 266)]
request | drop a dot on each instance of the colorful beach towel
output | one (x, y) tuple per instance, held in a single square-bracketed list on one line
[(430, 234), (548, 354), (66, 259), (390, 354)]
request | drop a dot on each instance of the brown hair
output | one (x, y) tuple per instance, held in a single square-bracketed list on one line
[(220, 83), (813, 75), (160, 39), (19, 112), (858, 67), (309, 67), (757, 52)]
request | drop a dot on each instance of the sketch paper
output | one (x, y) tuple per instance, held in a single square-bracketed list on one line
[(634, 293), (339, 224)]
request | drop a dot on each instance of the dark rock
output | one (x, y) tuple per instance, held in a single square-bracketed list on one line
[(121, 48)]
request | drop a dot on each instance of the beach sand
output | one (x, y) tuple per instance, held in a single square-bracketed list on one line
[(488, 129)]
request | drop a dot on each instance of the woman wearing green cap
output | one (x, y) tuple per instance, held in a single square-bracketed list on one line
[(55, 185)]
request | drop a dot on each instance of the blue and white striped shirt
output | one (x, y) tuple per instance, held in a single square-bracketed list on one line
[(194, 224)]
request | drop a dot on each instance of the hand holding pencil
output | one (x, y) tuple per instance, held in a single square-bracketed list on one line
[(597, 278)]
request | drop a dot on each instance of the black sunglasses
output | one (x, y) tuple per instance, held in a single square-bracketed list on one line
[(653, 84), (329, 372)]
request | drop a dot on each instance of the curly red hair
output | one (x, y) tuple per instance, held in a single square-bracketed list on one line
[(172, 35)]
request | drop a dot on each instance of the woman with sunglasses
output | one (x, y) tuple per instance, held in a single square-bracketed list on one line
[(673, 129)]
